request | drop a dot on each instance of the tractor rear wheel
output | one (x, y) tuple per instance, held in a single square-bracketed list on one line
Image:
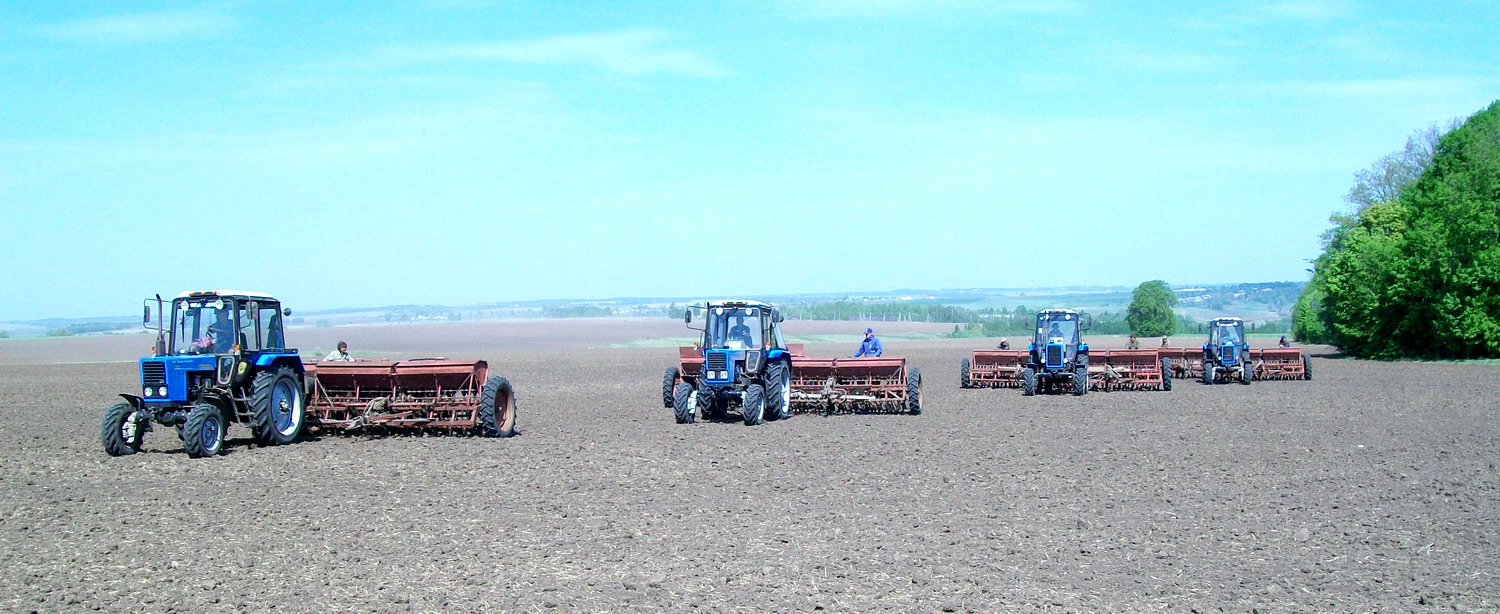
[(668, 385), (276, 406), (683, 404), (778, 391), (753, 408), (914, 391), (963, 374), (1306, 369), (1166, 374), (1080, 381), (497, 408), (121, 430), (1028, 382), (203, 433), (1247, 373)]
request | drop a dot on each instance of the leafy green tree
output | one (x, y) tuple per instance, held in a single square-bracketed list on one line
[(1150, 313)]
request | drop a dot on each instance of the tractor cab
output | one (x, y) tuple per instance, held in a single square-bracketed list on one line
[(1058, 339), (210, 338), (738, 337), (1226, 341)]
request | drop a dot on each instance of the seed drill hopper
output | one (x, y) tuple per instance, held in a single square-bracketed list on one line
[(855, 385), (1128, 370), (992, 369), (438, 395)]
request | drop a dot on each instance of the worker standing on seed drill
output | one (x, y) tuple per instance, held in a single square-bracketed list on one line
[(1134, 344), (870, 346), (339, 355)]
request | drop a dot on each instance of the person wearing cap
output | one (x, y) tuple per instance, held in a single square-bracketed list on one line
[(870, 347), (339, 355)]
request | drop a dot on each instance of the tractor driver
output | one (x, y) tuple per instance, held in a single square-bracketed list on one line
[(221, 331), (740, 331), (1055, 332)]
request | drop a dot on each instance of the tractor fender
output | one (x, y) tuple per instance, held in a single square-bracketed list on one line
[(266, 361), (135, 401)]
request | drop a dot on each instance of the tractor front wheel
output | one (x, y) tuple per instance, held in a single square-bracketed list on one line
[(1208, 372), (277, 404), (1247, 373), (1028, 382), (753, 408), (683, 403), (122, 430), (1080, 381), (497, 408), (914, 391), (203, 433), (778, 391)]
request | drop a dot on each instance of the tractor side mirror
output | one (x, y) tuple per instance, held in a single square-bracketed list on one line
[(286, 311), (146, 315), (779, 317), (687, 316)]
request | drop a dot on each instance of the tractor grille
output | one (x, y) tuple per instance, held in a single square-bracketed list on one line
[(716, 361), (153, 374), (1054, 356), (1226, 354)]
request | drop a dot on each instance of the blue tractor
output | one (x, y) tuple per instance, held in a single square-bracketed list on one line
[(220, 357), (1226, 356), (1059, 359), (745, 365)]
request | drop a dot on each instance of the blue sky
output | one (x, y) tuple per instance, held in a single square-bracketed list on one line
[(466, 151)]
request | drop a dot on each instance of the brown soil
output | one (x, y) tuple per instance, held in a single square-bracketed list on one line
[(1371, 488)]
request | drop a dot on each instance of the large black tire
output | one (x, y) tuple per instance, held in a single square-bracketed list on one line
[(1028, 382), (1247, 373), (497, 408), (963, 374), (1306, 369), (277, 407), (682, 404), (1080, 381), (754, 406), (121, 431), (778, 390), (1166, 374), (914, 391), (1208, 372), (669, 385), (203, 432)]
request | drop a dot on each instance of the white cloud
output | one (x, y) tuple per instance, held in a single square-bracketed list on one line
[(630, 52), (887, 8), (141, 28)]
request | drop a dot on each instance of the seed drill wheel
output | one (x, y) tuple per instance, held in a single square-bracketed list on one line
[(121, 431), (497, 408), (668, 384), (1028, 382), (754, 406), (683, 403), (1166, 374), (1306, 369), (778, 391), (963, 374), (278, 404), (203, 432), (914, 390)]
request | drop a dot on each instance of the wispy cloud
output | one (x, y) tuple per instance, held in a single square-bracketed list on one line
[(887, 8), (629, 52), (141, 27)]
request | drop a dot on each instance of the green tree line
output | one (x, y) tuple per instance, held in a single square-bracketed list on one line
[(1414, 270)]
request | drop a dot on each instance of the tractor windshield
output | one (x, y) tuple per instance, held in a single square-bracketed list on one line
[(1228, 333), (202, 326), (1057, 328), (735, 328)]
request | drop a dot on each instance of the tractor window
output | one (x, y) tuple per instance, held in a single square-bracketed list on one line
[(1063, 328), (1229, 333), (202, 327), (270, 328), (247, 339), (735, 328)]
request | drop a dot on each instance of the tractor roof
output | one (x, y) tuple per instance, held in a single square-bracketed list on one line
[(740, 303), (227, 293), (1058, 311), (1227, 319)]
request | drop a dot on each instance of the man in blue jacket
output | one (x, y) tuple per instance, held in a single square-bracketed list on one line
[(870, 346)]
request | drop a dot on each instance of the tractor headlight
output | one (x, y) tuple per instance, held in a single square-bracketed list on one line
[(162, 391), (146, 392)]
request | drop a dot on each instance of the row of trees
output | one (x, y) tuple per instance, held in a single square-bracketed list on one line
[(1414, 269)]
